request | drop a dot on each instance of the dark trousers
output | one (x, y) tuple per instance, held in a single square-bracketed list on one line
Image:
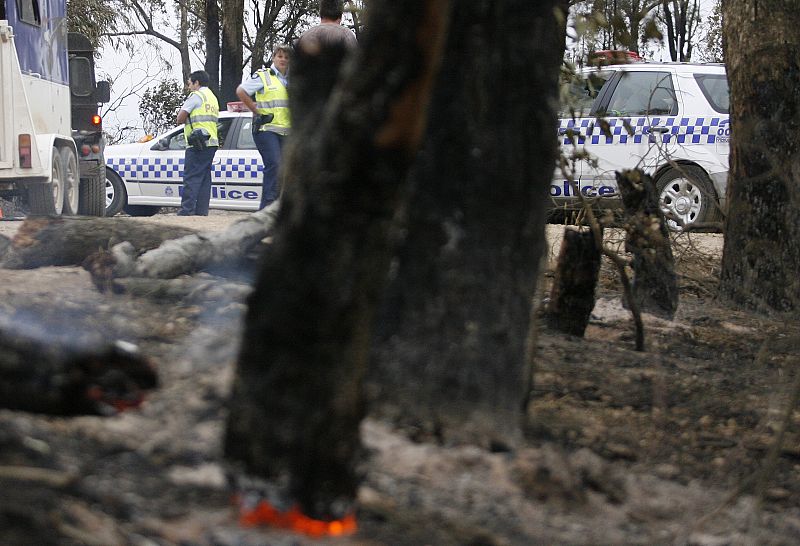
[(270, 146), (197, 181)]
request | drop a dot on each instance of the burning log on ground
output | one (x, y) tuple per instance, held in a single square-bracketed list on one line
[(53, 378)]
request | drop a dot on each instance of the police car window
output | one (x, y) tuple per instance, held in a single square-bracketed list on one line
[(223, 126), (176, 141), (715, 89), (578, 91), (643, 93), (245, 141)]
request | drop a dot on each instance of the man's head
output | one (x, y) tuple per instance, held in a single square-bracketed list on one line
[(331, 10), (198, 79)]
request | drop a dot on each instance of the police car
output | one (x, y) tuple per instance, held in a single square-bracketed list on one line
[(669, 119), (143, 177)]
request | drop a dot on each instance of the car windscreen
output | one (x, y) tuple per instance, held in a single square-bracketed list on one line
[(715, 89), (578, 91)]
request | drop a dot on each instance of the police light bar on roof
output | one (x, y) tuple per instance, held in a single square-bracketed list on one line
[(237, 107), (613, 56)]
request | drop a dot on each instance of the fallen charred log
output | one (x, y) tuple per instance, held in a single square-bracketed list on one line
[(57, 379), (57, 241)]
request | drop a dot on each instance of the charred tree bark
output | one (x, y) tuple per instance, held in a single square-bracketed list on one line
[(450, 362), (572, 295), (654, 286), (297, 401), (46, 241), (761, 256)]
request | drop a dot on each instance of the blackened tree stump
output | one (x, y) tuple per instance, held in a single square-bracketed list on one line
[(572, 294)]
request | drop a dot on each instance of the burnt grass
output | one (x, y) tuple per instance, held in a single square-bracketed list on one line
[(620, 447), (704, 401)]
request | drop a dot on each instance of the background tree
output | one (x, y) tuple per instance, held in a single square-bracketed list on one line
[(232, 53), (153, 18), (614, 24), (212, 44), (761, 256), (159, 105), (711, 50), (682, 21), (273, 22), (93, 18)]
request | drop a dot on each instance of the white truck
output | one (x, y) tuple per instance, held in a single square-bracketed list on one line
[(38, 154)]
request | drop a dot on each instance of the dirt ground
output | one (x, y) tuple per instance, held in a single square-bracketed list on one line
[(667, 446)]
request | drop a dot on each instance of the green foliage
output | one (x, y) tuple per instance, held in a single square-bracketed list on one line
[(93, 18), (159, 105), (713, 51)]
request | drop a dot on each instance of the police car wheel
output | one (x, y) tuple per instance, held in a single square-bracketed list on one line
[(685, 193), (116, 196)]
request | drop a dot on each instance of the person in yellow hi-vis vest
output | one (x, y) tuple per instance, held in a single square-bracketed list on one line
[(271, 121), (199, 112)]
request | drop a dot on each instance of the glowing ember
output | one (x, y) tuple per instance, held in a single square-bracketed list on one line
[(265, 514)]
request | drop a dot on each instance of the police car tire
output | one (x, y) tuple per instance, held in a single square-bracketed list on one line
[(141, 210), (691, 183), (120, 197), (47, 199)]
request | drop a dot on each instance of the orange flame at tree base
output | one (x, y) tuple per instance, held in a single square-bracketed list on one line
[(294, 520)]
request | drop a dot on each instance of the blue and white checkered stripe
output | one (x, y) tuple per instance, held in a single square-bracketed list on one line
[(682, 130), (171, 168)]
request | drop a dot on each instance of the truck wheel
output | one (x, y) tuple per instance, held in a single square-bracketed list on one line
[(71, 181), (93, 197), (114, 191), (686, 193), (141, 210), (48, 199)]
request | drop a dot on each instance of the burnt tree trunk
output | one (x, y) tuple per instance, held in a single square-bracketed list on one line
[(450, 362), (654, 286), (297, 403), (572, 294), (761, 256)]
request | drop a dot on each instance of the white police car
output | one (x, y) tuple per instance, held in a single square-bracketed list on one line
[(669, 119), (143, 177)]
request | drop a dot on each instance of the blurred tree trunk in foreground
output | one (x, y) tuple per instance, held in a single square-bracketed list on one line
[(450, 361), (297, 398), (761, 256)]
